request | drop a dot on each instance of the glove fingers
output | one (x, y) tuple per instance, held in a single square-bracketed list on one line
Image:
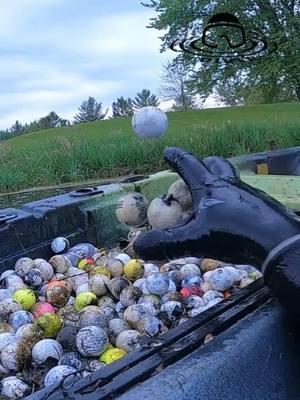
[(192, 170), (222, 168)]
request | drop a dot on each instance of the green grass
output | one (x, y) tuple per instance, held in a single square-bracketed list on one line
[(109, 148)]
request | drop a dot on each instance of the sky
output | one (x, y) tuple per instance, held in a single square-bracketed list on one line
[(54, 54)]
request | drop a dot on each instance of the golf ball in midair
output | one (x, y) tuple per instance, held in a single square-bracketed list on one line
[(149, 122)]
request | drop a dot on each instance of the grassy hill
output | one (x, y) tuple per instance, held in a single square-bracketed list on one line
[(109, 148)]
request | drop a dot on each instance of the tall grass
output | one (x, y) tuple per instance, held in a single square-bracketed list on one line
[(73, 159)]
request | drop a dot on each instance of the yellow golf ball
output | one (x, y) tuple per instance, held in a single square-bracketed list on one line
[(101, 271), (85, 299), (111, 355), (50, 323), (26, 298), (133, 270)]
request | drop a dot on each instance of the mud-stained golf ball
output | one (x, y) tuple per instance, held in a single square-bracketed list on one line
[(98, 270), (112, 355), (8, 306), (14, 388), (60, 373), (5, 327), (14, 282), (133, 314), (10, 357), (171, 311), (34, 279), (150, 326), (131, 209), (50, 324), (67, 337), (93, 318), (115, 267), (116, 285), (208, 264), (25, 297), (130, 295), (163, 213), (123, 257), (23, 266), (172, 296), (46, 348), (91, 341), (100, 259), (60, 263), (19, 318), (85, 299), (57, 293), (149, 122), (60, 245), (181, 193), (176, 277), (128, 340), (45, 268), (98, 284), (157, 283), (72, 359), (221, 279)]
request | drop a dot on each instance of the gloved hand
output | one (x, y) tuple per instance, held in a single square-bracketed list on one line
[(231, 221)]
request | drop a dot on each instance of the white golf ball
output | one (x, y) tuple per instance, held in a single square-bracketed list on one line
[(149, 122)]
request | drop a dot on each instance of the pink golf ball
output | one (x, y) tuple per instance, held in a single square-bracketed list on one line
[(40, 309)]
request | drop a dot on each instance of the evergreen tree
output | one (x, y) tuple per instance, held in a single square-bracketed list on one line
[(17, 129), (122, 107), (144, 99), (90, 110)]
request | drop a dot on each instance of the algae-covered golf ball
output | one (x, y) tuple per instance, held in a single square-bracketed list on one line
[(157, 283), (45, 349), (112, 355), (85, 299), (57, 293), (131, 209), (60, 245), (91, 341), (50, 323), (58, 374), (133, 270), (26, 298), (128, 340), (149, 122)]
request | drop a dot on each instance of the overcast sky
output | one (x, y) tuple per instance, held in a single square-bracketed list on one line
[(56, 53)]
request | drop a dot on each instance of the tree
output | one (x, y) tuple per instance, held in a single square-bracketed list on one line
[(122, 107), (52, 120), (175, 87), (144, 99), (90, 110), (16, 129), (273, 77)]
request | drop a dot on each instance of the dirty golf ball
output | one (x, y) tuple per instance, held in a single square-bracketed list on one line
[(72, 359), (45, 349), (98, 284), (60, 245), (14, 388), (20, 318), (116, 285), (67, 337), (94, 317), (130, 295), (112, 355), (128, 340), (8, 306), (58, 374), (157, 283), (163, 213), (45, 268), (221, 279), (181, 193), (23, 266), (149, 122), (133, 314), (115, 267), (25, 297), (34, 279), (60, 263), (131, 209), (91, 341), (57, 293), (86, 264)]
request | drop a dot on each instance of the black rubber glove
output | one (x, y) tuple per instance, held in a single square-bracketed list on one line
[(231, 221)]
